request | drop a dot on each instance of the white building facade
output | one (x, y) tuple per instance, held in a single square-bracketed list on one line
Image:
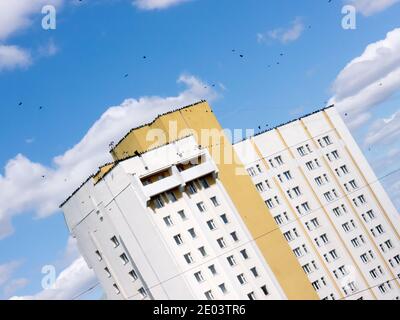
[(329, 205), (161, 226)]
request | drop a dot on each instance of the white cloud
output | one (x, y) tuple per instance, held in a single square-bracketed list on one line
[(12, 57), (17, 15), (6, 271), (283, 35), (49, 49), (370, 7), (384, 131), (369, 79), (73, 280), (156, 4), (14, 285), (27, 185)]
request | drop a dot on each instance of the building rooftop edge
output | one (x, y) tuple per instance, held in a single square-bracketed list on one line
[(286, 123)]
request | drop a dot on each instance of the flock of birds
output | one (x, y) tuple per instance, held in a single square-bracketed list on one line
[(234, 51)]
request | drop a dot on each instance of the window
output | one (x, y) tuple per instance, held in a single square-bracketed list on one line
[(211, 225), (319, 181), (143, 292), (352, 286), (221, 242), (279, 160), (306, 206), (117, 291), (254, 272), (353, 184), (288, 236), (115, 241), (107, 272), (231, 261), (343, 270), (234, 236), (328, 196), (191, 188), (346, 227), (344, 169), (242, 279), (334, 254), (310, 165), (324, 238), (278, 219), (124, 258), (158, 202), (188, 257), (355, 242), (214, 201), (204, 183), (316, 285), (327, 140), (307, 269), (251, 172), (192, 233), (244, 254), (301, 151), (98, 254), (265, 290), (168, 221), (251, 295), (389, 244), (364, 258), (209, 295), (371, 214), (288, 175), (337, 212), (336, 154), (382, 288), (315, 222), (133, 275), (182, 214), (222, 287), (374, 274), (201, 207), (269, 203), (224, 218), (203, 251), (199, 276), (171, 196), (297, 191), (297, 252), (212, 270), (260, 187), (178, 239), (379, 228)]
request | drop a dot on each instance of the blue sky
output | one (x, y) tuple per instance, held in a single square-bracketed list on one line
[(76, 73)]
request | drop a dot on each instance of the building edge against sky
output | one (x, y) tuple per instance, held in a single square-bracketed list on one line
[(249, 206)]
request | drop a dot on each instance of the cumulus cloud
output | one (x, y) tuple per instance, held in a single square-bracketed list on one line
[(14, 285), (14, 17), (156, 4), (6, 271), (12, 57), (32, 186), (284, 35), (369, 79), (384, 130), (370, 7), (72, 281), (17, 15)]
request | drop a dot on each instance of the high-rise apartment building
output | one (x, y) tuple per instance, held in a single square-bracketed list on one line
[(329, 205), (178, 216)]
